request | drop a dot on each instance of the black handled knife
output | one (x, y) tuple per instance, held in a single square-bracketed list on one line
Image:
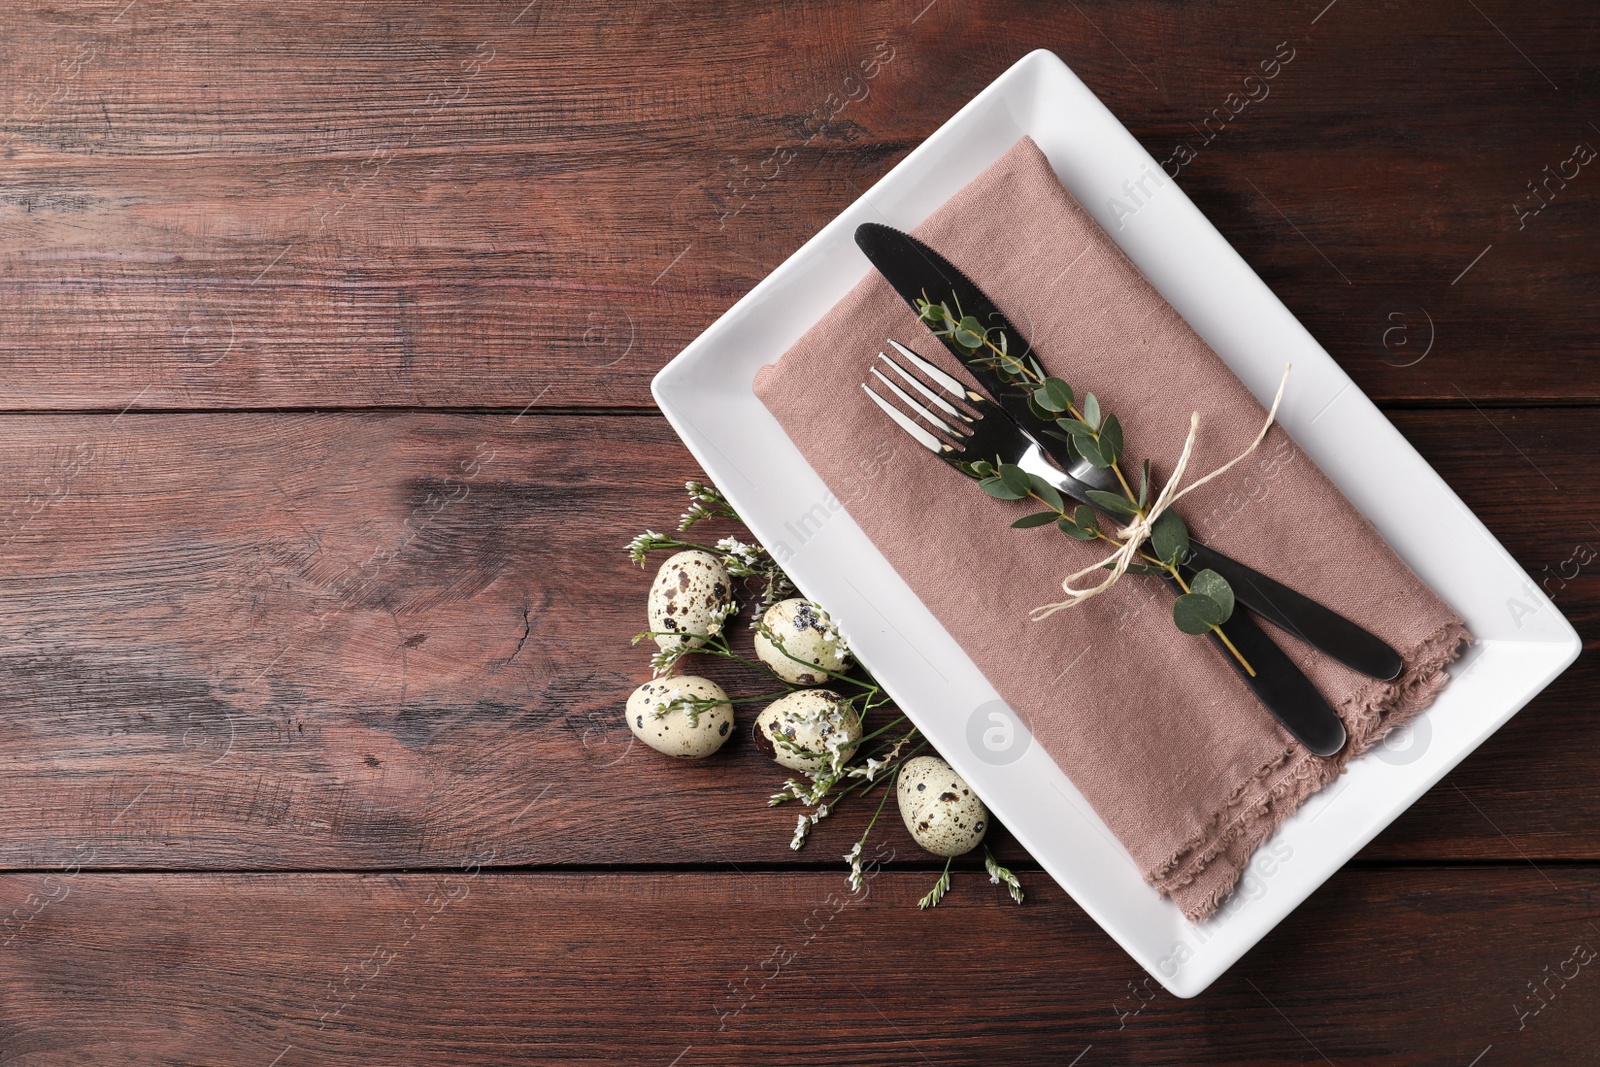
[(919, 272)]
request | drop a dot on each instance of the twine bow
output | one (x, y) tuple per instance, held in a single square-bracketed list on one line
[(1137, 532)]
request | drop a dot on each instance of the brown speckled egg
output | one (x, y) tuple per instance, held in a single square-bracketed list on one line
[(807, 634), (812, 719), (942, 812), (678, 732), (690, 598)]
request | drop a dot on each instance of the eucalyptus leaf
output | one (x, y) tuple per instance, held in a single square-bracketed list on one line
[(1144, 485), (1084, 517), (1089, 448), (1115, 503), (1028, 522), (1016, 479), (1091, 411), (1169, 537), (998, 489), (969, 333), (1111, 439), (1195, 613), (1047, 493), (1075, 426), (1060, 392), (1210, 583), (1037, 408), (1074, 530)]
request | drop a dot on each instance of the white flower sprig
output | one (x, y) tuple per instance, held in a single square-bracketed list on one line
[(998, 874), (853, 858), (804, 825), (823, 788), (705, 502), (940, 888)]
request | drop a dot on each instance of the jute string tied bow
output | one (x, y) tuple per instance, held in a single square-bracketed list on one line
[(1137, 532)]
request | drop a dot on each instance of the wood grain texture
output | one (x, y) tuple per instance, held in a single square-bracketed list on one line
[(257, 627), (1402, 969), (360, 640), (487, 205)]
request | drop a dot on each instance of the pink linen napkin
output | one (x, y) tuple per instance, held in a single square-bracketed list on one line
[(1153, 726)]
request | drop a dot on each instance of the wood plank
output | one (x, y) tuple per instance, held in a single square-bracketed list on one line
[(1508, 466), (358, 641), (1402, 968), (407, 204)]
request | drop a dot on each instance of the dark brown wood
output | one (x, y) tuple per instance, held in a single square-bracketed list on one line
[(426, 204), (457, 968), (279, 641), (273, 630)]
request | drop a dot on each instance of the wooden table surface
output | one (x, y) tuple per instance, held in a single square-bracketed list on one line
[(311, 768)]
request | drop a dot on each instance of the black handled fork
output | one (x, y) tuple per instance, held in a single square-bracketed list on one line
[(968, 427)]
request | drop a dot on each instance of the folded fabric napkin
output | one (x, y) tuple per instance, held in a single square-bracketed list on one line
[(1153, 726)]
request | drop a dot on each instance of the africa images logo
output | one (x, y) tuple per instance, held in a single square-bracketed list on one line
[(996, 735)]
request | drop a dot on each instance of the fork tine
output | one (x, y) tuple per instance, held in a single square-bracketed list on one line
[(916, 408), (921, 436), (933, 398), (943, 380)]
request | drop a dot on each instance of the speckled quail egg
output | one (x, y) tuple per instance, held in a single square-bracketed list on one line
[(812, 719), (942, 812), (682, 731), (807, 634), (690, 598)]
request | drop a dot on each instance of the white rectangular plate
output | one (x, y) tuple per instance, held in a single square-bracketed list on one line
[(1522, 641)]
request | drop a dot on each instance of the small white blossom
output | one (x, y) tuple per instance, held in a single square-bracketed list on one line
[(998, 874), (705, 502), (643, 544), (853, 858), (748, 555), (663, 661), (831, 634), (792, 790), (804, 823), (867, 770)]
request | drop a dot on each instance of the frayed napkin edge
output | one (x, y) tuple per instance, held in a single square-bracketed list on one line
[(1283, 785)]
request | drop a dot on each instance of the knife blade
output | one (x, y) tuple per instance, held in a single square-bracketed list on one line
[(918, 272)]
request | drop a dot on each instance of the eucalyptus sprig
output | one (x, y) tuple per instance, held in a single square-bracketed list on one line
[(1096, 436)]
